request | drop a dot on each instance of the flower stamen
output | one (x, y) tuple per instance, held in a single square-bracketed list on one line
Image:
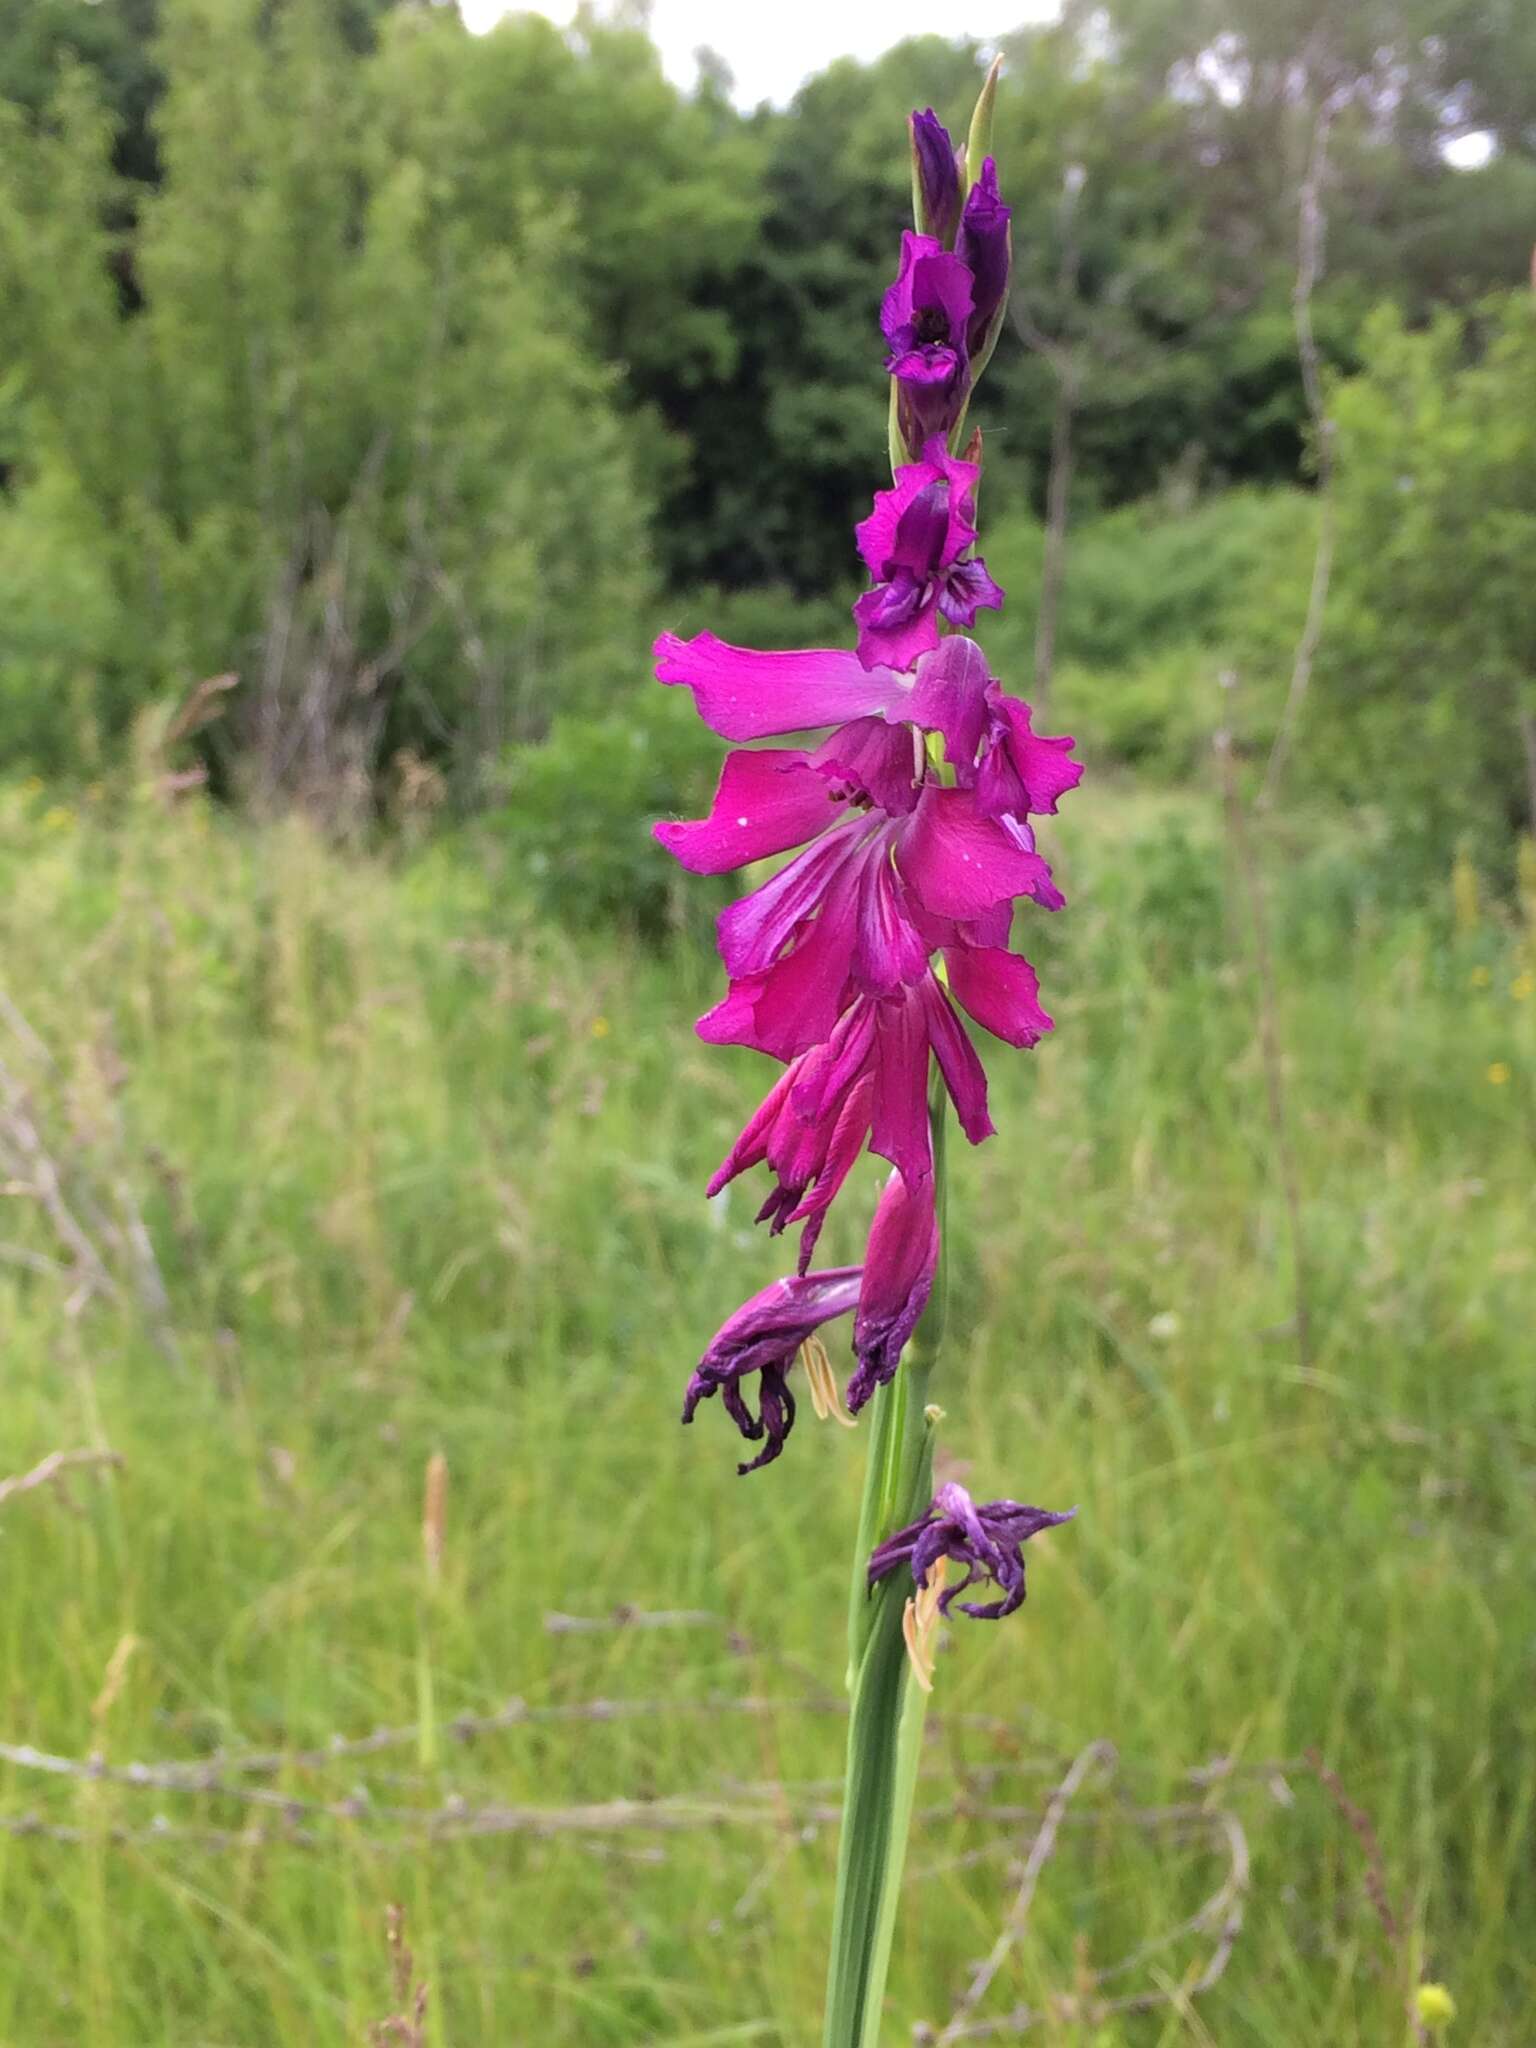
[(920, 1623), (826, 1395)]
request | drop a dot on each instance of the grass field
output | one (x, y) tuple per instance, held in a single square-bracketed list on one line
[(421, 1177)]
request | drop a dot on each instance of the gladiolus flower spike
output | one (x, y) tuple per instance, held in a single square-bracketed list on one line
[(903, 783), (908, 813)]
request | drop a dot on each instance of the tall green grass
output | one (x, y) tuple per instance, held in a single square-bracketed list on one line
[(424, 1175)]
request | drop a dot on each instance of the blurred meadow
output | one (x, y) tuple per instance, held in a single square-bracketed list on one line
[(369, 395)]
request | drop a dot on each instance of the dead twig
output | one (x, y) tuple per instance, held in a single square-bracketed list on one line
[(625, 1616), (54, 1470), (408, 2025), (1221, 1913), (1311, 232), (1039, 1854)]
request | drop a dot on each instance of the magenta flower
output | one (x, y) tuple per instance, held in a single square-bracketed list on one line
[(925, 317), (853, 963), (912, 544), (937, 167), (987, 1540), (763, 1337), (744, 694), (868, 1081), (829, 960)]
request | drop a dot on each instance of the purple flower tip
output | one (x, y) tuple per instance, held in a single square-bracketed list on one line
[(988, 1540), (936, 166)]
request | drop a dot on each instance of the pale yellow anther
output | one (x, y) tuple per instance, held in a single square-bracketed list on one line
[(826, 1395), (920, 1623)]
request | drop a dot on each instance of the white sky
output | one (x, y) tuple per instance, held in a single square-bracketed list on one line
[(772, 46)]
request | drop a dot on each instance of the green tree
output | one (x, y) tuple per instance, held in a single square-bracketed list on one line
[(345, 446), (1427, 679)]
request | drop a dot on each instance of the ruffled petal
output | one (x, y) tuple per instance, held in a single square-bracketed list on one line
[(958, 863), (967, 590), (765, 803), (896, 625), (930, 279), (1022, 771), (795, 1003), (1000, 990), (745, 694)]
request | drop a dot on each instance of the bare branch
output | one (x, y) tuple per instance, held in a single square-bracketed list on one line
[(1222, 1912), (1312, 226), (625, 1616), (1039, 1854), (54, 1469)]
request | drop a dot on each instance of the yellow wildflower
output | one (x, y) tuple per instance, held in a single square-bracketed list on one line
[(1434, 2006)]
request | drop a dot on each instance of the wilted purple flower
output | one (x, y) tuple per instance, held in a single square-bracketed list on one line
[(985, 246), (988, 1540), (899, 1264), (763, 1337), (936, 170), (925, 317), (912, 543)]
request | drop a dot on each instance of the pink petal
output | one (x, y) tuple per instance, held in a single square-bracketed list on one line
[(746, 695), (897, 646), (899, 1264), (1001, 991), (889, 950), (795, 1003), (1023, 770), (964, 1075), (847, 1142), (958, 863), (766, 802), (751, 1148), (950, 697), (755, 928), (899, 1113), (871, 758)]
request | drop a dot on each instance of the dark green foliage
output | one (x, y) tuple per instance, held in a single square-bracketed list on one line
[(348, 447), (1429, 665), (392, 369)]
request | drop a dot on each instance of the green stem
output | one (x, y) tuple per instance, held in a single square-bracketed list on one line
[(886, 1715)]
